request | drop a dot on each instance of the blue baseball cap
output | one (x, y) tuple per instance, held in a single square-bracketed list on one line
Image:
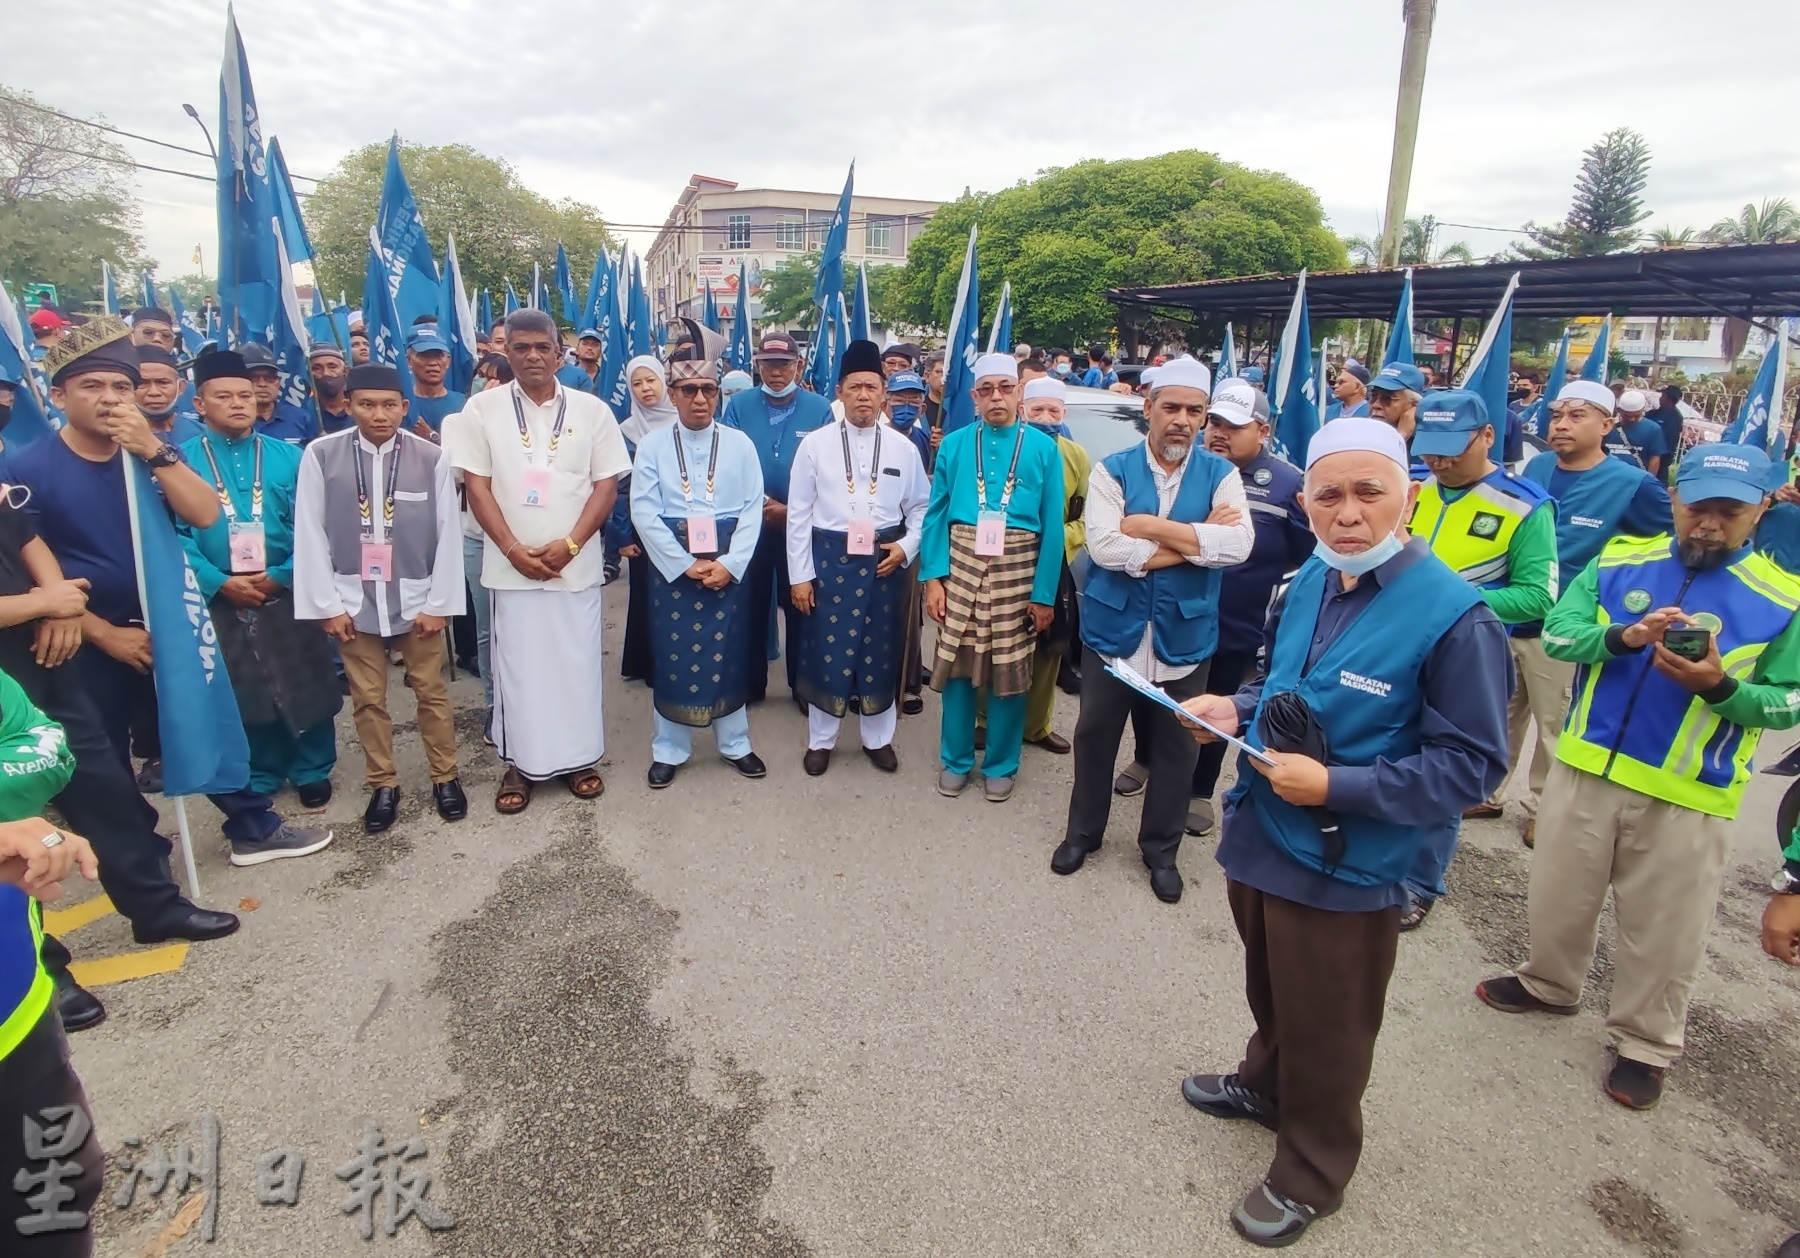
[(1397, 376), (589, 334), (1253, 374), (427, 338), (1448, 420), (901, 381), (1722, 470)]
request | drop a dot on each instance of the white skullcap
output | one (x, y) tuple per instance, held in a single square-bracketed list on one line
[(1184, 373), (1358, 433), (1633, 400), (996, 365), (1590, 391), (1047, 386), (1147, 377)]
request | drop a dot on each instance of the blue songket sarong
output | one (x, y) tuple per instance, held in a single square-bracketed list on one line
[(852, 646), (700, 671)]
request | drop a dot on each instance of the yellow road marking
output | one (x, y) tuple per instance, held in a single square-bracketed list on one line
[(129, 965), (62, 921)]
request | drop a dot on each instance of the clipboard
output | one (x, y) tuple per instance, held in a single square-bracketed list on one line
[(1144, 686)]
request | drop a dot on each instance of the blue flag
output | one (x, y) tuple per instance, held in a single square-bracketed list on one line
[(963, 346), (412, 275), (1758, 421), (593, 311), (30, 414), (1227, 358), (862, 324), (1400, 337), (537, 300), (565, 289), (1489, 368), (830, 278), (109, 291), (618, 339), (709, 310), (512, 299), (249, 287), (457, 321), (741, 352), (643, 327), (1296, 391), (487, 311), (1536, 419), (287, 207), (1595, 366), (381, 322), (186, 326), (321, 328), (290, 342), (1000, 333), (203, 744), (149, 297)]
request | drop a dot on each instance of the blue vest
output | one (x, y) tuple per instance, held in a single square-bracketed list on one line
[(775, 444), (1589, 509), (1365, 691), (575, 376), (1181, 602)]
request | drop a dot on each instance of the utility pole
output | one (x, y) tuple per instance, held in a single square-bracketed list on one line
[(1419, 15)]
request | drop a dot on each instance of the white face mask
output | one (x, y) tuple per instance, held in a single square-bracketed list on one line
[(23, 492), (1363, 561)]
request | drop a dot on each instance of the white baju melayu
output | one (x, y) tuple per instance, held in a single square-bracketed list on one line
[(821, 496), (549, 717)]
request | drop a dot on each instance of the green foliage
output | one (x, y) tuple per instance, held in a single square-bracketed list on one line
[(1066, 237), (1774, 222), (1608, 202), (501, 226), (788, 289), (1418, 246)]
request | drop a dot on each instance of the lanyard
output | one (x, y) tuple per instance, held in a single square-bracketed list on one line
[(874, 465), (363, 506), (256, 494), (562, 405), (1012, 472), (712, 467)]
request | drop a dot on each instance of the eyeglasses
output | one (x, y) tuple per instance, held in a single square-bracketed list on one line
[(1002, 388), (699, 389)]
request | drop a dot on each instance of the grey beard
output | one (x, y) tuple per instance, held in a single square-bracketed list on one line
[(1698, 558), (1175, 454)]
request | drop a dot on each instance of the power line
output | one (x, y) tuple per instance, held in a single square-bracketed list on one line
[(1476, 227), (115, 161), (132, 135)]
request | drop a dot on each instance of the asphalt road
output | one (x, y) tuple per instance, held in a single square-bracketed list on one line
[(845, 1016)]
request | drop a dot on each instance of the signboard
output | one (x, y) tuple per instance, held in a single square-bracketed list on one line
[(721, 272), (40, 294)]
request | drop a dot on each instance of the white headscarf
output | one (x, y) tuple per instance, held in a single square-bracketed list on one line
[(645, 420)]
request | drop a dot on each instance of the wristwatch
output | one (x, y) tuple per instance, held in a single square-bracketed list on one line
[(573, 545), (166, 456), (1784, 882)]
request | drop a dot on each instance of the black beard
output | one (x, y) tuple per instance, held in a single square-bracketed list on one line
[(1699, 558)]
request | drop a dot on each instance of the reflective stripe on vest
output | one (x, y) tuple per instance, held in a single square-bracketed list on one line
[(1473, 533), (25, 986)]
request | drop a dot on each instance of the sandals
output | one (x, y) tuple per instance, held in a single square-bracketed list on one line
[(513, 786), (586, 784), (1415, 915)]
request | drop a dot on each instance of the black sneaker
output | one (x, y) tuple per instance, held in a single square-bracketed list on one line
[(289, 840), (314, 795), (1225, 1096), (1635, 1084), (149, 778)]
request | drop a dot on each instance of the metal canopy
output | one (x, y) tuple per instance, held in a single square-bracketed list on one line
[(1745, 281)]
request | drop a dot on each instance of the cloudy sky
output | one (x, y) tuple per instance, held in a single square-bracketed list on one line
[(934, 96)]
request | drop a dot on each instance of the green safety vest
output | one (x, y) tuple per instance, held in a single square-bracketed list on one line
[(35, 764)]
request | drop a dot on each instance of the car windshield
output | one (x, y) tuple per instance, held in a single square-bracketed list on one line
[(1103, 428)]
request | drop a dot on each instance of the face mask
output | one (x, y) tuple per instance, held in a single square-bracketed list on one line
[(781, 393), (157, 417), (1061, 369), (331, 388), (1364, 562), (903, 414)]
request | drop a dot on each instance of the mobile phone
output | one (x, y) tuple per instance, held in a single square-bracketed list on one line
[(1688, 642)]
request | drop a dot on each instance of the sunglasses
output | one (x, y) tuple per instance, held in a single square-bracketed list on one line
[(1004, 388), (697, 390)]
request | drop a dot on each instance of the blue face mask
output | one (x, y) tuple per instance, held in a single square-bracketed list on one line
[(781, 393), (1061, 369), (903, 414), (1363, 562)]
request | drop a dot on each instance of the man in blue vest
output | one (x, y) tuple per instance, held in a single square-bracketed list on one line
[(1391, 673), (1162, 519), (1597, 499), (775, 417), (1652, 764)]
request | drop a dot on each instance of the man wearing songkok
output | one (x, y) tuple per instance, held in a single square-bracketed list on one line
[(153, 326), (275, 416), (281, 670), (1349, 392), (1162, 519), (378, 560), (855, 506), (540, 468), (428, 358), (1383, 712), (697, 502), (1653, 760), (990, 562), (1598, 498)]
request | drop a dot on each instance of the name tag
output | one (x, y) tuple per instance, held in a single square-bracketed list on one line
[(990, 533), (377, 561), (860, 537), (248, 547), (534, 487), (702, 536)]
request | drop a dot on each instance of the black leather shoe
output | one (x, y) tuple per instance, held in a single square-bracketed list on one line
[(314, 795), (750, 765), (191, 923), (883, 758), (815, 761), (912, 705), (452, 804), (661, 774), (1071, 854), (384, 806), (78, 1008), (1166, 882)]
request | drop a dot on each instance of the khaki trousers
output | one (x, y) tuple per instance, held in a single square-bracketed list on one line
[(1664, 864), (1541, 695), (366, 665)]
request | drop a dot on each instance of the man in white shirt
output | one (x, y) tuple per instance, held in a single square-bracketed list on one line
[(540, 468), (1162, 519), (377, 559), (855, 506)]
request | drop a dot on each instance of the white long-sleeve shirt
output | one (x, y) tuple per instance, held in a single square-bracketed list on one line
[(1221, 545), (819, 498)]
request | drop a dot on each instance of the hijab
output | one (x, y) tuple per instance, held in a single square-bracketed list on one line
[(645, 420)]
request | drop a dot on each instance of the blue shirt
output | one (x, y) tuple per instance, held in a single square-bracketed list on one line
[(209, 549), (1036, 504), (183, 427), (331, 423), (775, 429), (289, 423), (575, 376), (434, 410), (1283, 541), (78, 508), (1778, 535), (1638, 442), (1467, 680), (656, 494), (1334, 409), (1094, 378)]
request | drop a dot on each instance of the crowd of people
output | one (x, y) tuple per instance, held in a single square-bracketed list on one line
[(1378, 625)]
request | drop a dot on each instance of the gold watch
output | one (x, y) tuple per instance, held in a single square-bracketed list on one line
[(574, 547)]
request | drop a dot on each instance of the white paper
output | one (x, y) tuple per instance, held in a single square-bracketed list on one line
[(1144, 686)]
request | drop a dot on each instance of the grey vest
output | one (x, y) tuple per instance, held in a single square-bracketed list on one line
[(413, 534)]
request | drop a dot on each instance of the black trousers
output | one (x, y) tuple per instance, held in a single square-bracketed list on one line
[(36, 1076), (1106, 704), (1229, 671), (767, 576), (636, 660)]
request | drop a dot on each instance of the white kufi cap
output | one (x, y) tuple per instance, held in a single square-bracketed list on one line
[(1047, 386), (1184, 373), (1358, 433), (996, 365), (1590, 391)]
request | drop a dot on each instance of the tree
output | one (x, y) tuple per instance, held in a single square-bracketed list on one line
[(787, 295), (501, 226), (1608, 202), (1775, 222), (1067, 236), (1667, 237), (65, 203), (1418, 246)]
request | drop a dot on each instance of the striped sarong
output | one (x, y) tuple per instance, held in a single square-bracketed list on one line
[(986, 638)]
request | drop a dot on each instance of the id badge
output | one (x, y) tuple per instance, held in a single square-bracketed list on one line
[(990, 533), (377, 561), (534, 487), (861, 537), (248, 549), (702, 536)]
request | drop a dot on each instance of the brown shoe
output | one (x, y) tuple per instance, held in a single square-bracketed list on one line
[(883, 758), (1053, 742), (1483, 811), (816, 761), (1530, 835), (1509, 995), (1634, 1084)]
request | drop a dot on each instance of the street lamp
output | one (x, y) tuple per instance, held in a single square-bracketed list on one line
[(193, 113)]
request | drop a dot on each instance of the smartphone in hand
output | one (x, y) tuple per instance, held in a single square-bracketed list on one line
[(1688, 641)]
